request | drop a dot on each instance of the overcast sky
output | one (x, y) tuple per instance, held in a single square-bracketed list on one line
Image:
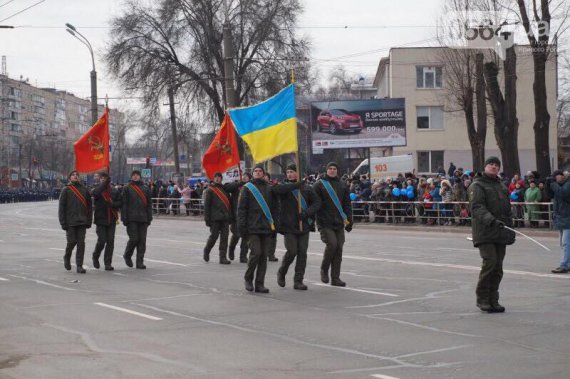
[(40, 49)]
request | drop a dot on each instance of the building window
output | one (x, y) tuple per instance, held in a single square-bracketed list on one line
[(14, 116), (429, 117), (430, 161), (428, 77)]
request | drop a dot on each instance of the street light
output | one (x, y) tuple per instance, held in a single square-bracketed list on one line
[(74, 32)]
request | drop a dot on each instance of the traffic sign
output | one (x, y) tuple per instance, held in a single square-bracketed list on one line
[(146, 172)]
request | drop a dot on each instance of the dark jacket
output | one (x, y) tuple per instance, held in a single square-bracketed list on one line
[(250, 216), (72, 212), (214, 207), (489, 201), (106, 212), (560, 194), (328, 215), (289, 208), (134, 209), (233, 189)]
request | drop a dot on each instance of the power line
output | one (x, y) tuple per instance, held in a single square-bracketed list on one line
[(23, 10)]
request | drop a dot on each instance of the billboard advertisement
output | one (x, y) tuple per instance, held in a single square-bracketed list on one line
[(358, 123)]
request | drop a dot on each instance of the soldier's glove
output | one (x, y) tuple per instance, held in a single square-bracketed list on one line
[(499, 224), (348, 228)]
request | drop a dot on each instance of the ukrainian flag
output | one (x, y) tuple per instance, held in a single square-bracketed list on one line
[(269, 128)]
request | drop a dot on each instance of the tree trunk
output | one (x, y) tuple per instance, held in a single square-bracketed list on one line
[(542, 117), (174, 132), (478, 149), (504, 111)]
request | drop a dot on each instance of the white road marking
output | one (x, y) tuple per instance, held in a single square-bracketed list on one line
[(380, 376), (56, 248), (449, 265), (128, 311), (44, 283), (356, 290), (4, 279), (166, 262)]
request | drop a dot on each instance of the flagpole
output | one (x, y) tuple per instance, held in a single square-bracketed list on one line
[(298, 161), (107, 110)]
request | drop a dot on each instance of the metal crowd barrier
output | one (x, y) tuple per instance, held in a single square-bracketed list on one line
[(440, 213), (177, 207), (406, 212)]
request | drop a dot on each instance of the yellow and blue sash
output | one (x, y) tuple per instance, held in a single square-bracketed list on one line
[(262, 203), (303, 203), (335, 200)]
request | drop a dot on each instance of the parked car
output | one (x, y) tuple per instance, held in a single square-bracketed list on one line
[(338, 120)]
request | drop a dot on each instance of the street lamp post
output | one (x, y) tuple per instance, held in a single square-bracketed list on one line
[(74, 32)]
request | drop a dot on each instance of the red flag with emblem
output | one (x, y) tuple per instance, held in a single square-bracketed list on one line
[(92, 149), (223, 152)]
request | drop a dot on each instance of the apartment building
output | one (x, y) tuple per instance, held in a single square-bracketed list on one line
[(37, 128), (435, 129)]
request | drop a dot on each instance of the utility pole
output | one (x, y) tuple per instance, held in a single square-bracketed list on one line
[(173, 126), (231, 98)]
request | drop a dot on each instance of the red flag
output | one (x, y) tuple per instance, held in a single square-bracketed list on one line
[(92, 149), (223, 152)]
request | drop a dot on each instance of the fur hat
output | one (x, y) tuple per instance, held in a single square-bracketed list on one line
[(292, 167), (494, 160), (330, 164)]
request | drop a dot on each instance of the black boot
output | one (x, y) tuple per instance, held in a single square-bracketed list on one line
[(337, 283), (280, 277), (79, 258), (128, 260), (81, 270), (324, 276), (299, 286), (231, 254), (206, 255), (109, 268), (96, 261), (67, 261), (485, 306), (495, 303), (224, 261), (249, 285), (261, 288), (273, 258), (140, 264)]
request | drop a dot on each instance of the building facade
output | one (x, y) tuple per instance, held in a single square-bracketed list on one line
[(436, 129), (37, 129)]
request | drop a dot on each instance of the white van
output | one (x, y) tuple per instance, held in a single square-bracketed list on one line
[(383, 167)]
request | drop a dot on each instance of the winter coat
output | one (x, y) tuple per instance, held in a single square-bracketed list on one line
[(489, 202), (289, 208), (134, 208), (72, 211), (560, 194), (108, 202), (250, 216), (328, 215), (533, 195), (214, 207)]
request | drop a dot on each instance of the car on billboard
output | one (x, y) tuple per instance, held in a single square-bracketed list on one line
[(339, 120)]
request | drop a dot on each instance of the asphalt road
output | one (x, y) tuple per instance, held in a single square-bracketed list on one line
[(408, 311)]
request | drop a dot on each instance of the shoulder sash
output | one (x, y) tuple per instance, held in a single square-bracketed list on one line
[(262, 203)]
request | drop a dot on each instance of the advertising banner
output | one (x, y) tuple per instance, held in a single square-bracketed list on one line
[(358, 123)]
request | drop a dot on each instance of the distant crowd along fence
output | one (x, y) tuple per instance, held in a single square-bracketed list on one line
[(412, 212)]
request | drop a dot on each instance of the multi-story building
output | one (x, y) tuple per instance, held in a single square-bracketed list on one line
[(436, 130), (38, 127)]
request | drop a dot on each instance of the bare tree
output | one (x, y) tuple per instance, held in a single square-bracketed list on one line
[(538, 32), (179, 42)]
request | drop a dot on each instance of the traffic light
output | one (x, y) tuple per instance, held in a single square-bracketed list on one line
[(147, 161)]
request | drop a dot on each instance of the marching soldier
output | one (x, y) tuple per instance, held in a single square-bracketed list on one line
[(296, 239), (75, 216), (333, 218), (218, 215), (107, 205), (256, 209), (273, 247), (246, 177), (136, 215), (491, 211)]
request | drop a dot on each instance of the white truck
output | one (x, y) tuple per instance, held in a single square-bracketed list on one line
[(383, 167)]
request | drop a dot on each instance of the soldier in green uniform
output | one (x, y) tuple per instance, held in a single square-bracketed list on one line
[(296, 238), (75, 217), (333, 219), (235, 238), (136, 215), (107, 205), (255, 221), (491, 211), (218, 215)]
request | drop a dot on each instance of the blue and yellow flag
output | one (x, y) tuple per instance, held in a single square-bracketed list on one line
[(269, 128)]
